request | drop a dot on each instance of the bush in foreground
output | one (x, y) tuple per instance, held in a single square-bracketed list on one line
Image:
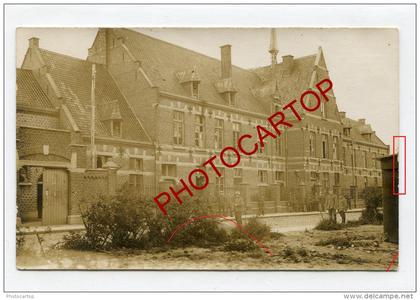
[(132, 221)]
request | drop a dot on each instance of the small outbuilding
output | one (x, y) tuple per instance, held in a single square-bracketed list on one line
[(390, 197)]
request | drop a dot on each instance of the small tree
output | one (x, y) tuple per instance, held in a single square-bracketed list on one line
[(373, 199)]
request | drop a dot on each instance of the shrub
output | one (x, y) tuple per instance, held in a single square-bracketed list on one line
[(373, 199), (132, 221), (257, 229), (76, 240), (328, 225)]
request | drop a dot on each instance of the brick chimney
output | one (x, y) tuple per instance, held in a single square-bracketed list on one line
[(288, 63), (362, 121), (342, 114), (226, 61), (34, 42)]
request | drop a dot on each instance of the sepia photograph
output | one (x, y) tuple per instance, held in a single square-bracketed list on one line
[(207, 149)]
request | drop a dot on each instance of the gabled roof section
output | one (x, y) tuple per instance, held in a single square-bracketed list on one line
[(28, 91), (357, 129), (162, 61), (289, 83), (73, 78)]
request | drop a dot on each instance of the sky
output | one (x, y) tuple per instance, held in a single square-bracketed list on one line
[(363, 63)]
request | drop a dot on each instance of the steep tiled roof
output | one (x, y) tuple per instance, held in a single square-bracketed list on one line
[(28, 91), (162, 61), (289, 84), (358, 128), (73, 78)]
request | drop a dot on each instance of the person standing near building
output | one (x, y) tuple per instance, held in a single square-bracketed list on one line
[(342, 207), (331, 205), (239, 207)]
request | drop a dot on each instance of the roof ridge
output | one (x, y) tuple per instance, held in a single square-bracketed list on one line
[(183, 48), (66, 55), (297, 58)]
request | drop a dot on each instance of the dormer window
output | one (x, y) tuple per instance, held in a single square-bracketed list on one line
[(230, 98), (346, 131), (190, 80), (116, 128)]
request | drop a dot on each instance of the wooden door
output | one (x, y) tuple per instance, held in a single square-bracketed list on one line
[(55, 197)]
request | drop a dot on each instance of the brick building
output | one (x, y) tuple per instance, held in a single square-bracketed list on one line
[(54, 146), (192, 105), (168, 109)]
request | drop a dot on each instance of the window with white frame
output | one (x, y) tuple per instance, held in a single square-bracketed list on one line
[(279, 175), (178, 123), (365, 161), (218, 134), (236, 132), (312, 144), (169, 170), (262, 176), (199, 131), (335, 147), (324, 146), (220, 181), (116, 128), (136, 164), (135, 181)]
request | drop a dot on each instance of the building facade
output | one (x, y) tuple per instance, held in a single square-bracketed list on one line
[(185, 107)]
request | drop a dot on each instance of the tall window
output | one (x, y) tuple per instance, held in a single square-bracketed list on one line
[(230, 98), (326, 180), (353, 158), (279, 175), (135, 181), (218, 134), (335, 147), (199, 131), (336, 179), (136, 164), (365, 162), (312, 144), (178, 127), (237, 176), (366, 182), (194, 89), (344, 156), (220, 181), (116, 128), (262, 176), (169, 170), (324, 146), (236, 132), (346, 131)]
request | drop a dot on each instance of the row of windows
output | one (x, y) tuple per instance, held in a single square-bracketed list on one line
[(324, 146), (219, 138)]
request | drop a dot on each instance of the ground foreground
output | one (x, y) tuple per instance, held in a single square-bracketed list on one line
[(355, 248)]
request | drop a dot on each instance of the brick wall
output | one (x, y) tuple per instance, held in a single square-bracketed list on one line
[(32, 141), (36, 120)]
